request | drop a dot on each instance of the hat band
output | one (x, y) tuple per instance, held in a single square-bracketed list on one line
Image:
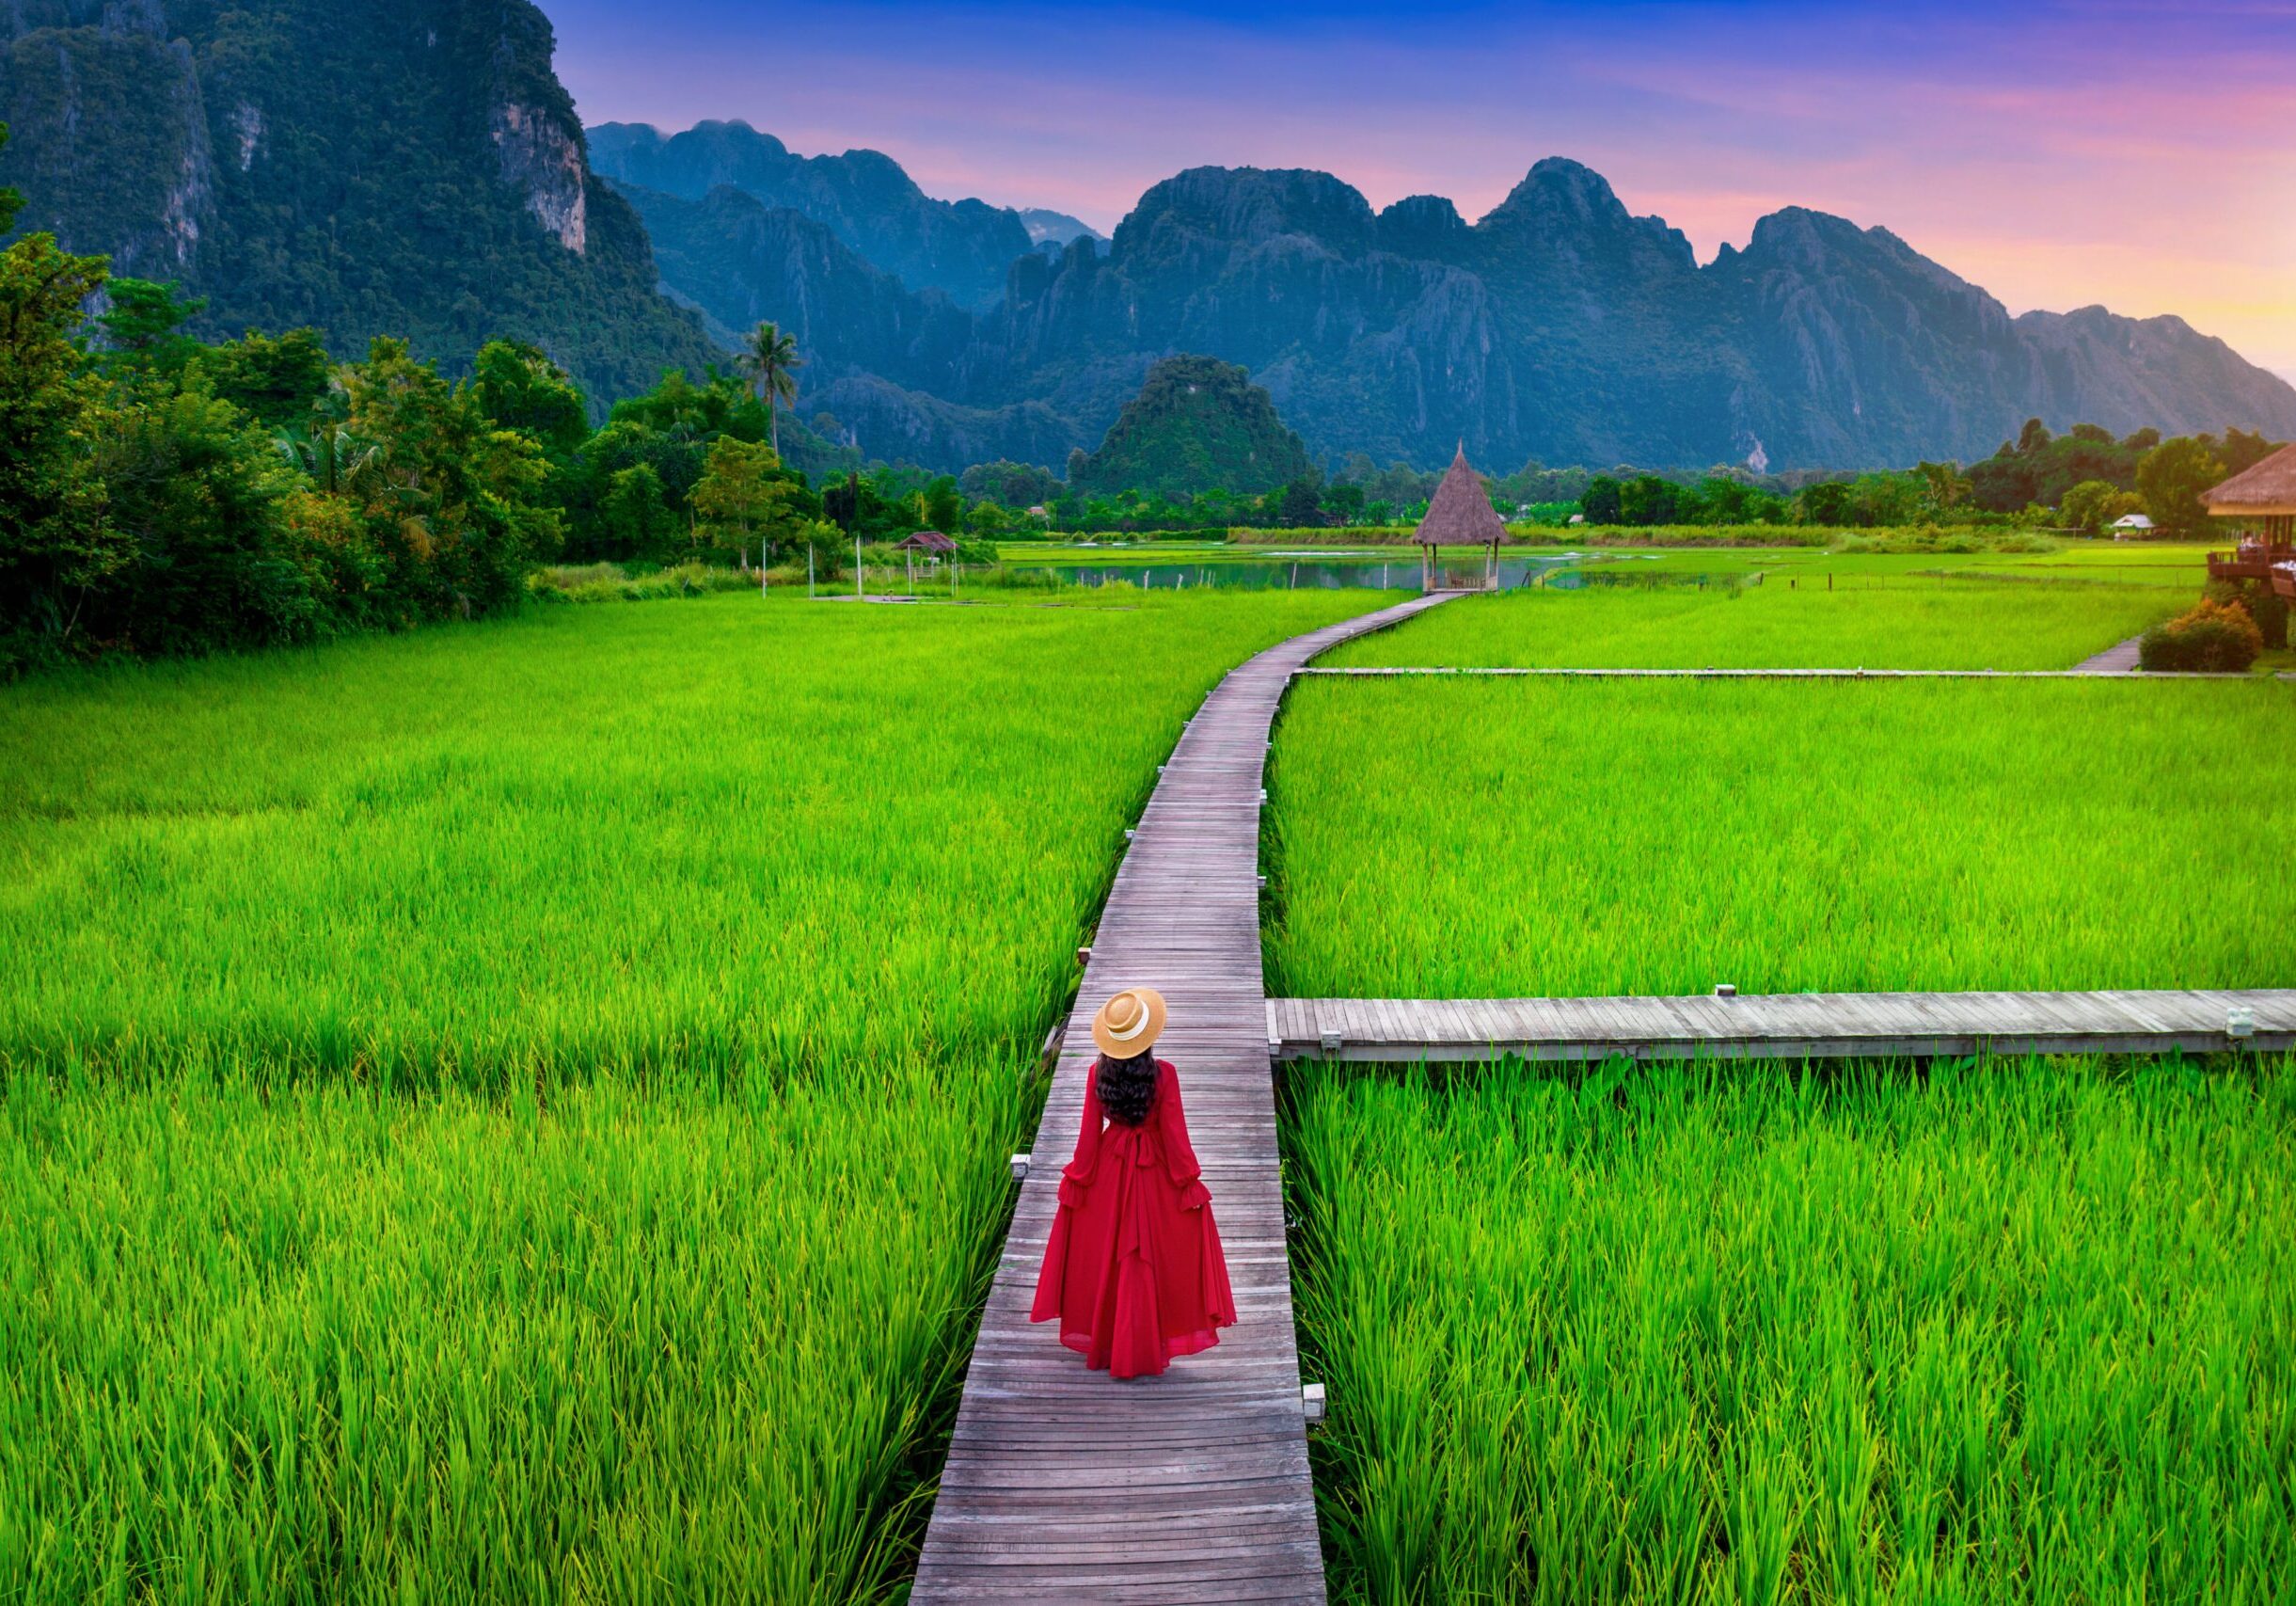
[(1140, 1021)]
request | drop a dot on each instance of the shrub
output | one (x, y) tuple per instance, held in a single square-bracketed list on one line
[(2267, 607), (2214, 638)]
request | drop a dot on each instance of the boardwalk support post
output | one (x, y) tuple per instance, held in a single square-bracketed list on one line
[(1019, 1167), (1312, 1404)]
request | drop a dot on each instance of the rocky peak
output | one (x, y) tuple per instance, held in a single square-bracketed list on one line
[(1423, 224), (1565, 205), (1249, 206), (541, 159)]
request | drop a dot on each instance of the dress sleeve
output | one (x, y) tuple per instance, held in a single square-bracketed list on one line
[(1077, 1174), (1178, 1155)]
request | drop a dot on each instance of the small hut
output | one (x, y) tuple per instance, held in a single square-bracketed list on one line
[(2131, 527), (1459, 515), (928, 541), (2263, 500)]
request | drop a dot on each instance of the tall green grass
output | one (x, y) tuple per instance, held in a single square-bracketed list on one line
[(1903, 624), (519, 1111), (2009, 1331), (1505, 839)]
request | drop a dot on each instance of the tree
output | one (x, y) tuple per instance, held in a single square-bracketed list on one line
[(1646, 499), (457, 492), (144, 321), (2032, 437), (2094, 504), (1300, 506), (274, 380), (1947, 487), (770, 358), (519, 388), (635, 512), (1824, 502), (985, 520), (2171, 478), (1600, 503), (742, 494), (945, 508), (56, 539)]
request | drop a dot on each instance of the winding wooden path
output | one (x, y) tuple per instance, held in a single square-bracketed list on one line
[(1060, 1483), (1534, 672), (1783, 1025)]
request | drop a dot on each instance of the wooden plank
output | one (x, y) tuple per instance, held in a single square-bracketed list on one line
[(1061, 1484), (1799, 1025)]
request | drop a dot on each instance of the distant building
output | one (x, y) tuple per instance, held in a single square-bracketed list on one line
[(2130, 527), (2262, 498), (928, 541)]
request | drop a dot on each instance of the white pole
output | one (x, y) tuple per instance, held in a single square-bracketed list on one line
[(857, 596), (912, 573), (809, 568), (761, 565)]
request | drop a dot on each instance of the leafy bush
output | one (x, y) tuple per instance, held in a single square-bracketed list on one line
[(2267, 607), (2214, 638)]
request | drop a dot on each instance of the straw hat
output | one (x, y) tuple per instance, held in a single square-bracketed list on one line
[(1129, 1023)]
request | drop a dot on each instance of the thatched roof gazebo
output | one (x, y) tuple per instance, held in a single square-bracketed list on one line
[(1459, 515), (928, 541), (2263, 498)]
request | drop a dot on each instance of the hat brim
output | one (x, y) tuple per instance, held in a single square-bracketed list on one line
[(1141, 1041)]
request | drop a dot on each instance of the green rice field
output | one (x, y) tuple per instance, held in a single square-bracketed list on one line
[(2001, 1331), (1510, 838), (519, 1111), (1900, 625)]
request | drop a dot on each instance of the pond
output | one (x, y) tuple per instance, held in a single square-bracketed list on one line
[(1333, 571), (1304, 571)]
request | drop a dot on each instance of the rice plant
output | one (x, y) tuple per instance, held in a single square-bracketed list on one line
[(1787, 622), (519, 1111), (2002, 1331), (1511, 838)]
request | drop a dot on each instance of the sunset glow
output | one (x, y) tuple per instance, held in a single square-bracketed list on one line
[(2135, 155)]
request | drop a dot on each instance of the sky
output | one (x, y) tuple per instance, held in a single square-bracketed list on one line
[(2138, 154)]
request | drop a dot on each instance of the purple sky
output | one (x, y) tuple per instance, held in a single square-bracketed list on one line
[(2143, 155)]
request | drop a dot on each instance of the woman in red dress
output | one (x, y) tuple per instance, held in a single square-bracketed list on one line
[(1134, 1271)]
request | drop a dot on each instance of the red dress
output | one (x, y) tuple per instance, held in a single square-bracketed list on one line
[(1133, 1269)]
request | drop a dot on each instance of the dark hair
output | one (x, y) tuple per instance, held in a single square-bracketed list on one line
[(1128, 1087)]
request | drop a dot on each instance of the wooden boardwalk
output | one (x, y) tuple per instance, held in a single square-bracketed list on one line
[(2082, 672), (1062, 1484), (1787, 1025)]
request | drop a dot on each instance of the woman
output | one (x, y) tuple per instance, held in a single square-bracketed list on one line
[(1133, 1269)]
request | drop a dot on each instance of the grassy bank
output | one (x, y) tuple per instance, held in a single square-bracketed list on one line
[(1451, 838), (520, 1110), (2006, 1331)]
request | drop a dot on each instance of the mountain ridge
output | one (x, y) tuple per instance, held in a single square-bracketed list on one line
[(1559, 326)]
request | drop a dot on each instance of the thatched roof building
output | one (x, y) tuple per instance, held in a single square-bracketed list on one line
[(1461, 514), (2265, 490)]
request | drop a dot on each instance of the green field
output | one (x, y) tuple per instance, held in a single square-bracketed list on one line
[(1502, 838), (520, 1110), (2001, 1332), (1772, 626)]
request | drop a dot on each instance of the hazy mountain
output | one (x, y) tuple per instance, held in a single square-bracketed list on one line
[(864, 198), (1053, 230), (1558, 326), (408, 169)]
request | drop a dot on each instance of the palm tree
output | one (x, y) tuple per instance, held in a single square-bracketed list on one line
[(771, 361)]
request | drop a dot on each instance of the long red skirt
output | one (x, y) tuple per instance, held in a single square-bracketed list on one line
[(1133, 1269)]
